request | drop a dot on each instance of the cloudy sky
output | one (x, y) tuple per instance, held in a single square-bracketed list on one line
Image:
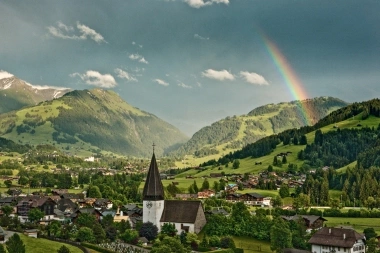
[(192, 62)]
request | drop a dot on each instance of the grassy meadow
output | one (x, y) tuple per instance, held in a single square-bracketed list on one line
[(40, 245), (359, 224)]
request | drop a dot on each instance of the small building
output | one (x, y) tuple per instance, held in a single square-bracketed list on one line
[(2, 235), (311, 221), (31, 232), (337, 240)]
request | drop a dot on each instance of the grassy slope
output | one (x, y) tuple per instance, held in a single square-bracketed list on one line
[(191, 161), (39, 245)]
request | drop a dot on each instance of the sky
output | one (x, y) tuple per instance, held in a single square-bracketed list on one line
[(193, 62)]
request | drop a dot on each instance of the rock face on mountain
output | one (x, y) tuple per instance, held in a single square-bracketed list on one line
[(90, 121), (16, 93), (235, 132)]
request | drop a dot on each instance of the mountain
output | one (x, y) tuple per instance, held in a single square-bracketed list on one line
[(347, 137), (235, 132), (85, 121), (16, 93)]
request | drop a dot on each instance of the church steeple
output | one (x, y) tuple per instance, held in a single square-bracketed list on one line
[(153, 188)]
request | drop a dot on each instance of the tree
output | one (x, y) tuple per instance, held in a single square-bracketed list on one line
[(149, 231), (7, 210), (99, 233), (205, 185), (35, 214), (85, 234), (15, 244), (303, 140), (169, 229), (369, 233), (169, 244), (227, 242), (236, 164), (63, 249), (94, 192), (2, 249), (192, 240), (86, 220), (277, 201), (130, 236), (275, 161), (280, 236), (284, 191), (371, 245), (8, 183), (284, 160)]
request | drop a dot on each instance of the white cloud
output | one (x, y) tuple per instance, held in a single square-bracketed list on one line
[(180, 84), (4, 74), (137, 57), (202, 3), (162, 82), (251, 77), (92, 77), (82, 32), (125, 75), (218, 75), (197, 36)]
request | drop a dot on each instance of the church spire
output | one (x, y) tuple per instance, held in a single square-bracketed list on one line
[(153, 188)]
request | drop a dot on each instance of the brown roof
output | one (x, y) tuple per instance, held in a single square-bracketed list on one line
[(153, 188), (180, 211), (338, 237)]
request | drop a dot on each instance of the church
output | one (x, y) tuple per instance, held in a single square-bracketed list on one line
[(187, 216)]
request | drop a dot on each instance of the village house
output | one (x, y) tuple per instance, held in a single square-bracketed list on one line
[(337, 240), (311, 221), (44, 204)]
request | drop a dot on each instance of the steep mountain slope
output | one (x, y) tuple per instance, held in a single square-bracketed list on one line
[(16, 93), (89, 121), (235, 132)]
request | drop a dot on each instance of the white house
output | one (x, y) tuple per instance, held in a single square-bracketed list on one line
[(337, 240)]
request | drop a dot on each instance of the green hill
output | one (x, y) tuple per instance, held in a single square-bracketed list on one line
[(233, 133), (87, 121), (343, 137)]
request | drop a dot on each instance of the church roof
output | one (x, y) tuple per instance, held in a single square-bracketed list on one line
[(179, 211), (153, 188)]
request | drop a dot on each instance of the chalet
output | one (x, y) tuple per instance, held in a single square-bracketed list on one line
[(252, 198), (89, 210), (216, 175), (311, 221), (185, 196), (338, 240), (103, 204), (44, 204), (218, 210), (74, 197), (233, 197), (59, 192), (205, 194), (66, 206)]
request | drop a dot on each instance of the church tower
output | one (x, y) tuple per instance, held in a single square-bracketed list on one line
[(153, 195)]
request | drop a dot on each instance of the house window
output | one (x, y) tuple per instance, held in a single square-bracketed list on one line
[(344, 249)]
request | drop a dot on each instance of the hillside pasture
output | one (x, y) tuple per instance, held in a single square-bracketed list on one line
[(251, 245), (42, 245), (359, 224)]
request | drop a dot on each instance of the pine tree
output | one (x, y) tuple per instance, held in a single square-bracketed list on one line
[(15, 244), (63, 249)]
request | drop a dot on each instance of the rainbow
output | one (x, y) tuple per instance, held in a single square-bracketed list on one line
[(291, 79)]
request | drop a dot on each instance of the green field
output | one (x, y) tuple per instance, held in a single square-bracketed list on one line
[(40, 245), (359, 224), (251, 245)]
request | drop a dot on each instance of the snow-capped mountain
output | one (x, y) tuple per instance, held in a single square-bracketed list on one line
[(16, 93)]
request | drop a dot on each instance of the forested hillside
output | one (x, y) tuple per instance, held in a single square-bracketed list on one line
[(236, 132), (335, 148), (91, 120)]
